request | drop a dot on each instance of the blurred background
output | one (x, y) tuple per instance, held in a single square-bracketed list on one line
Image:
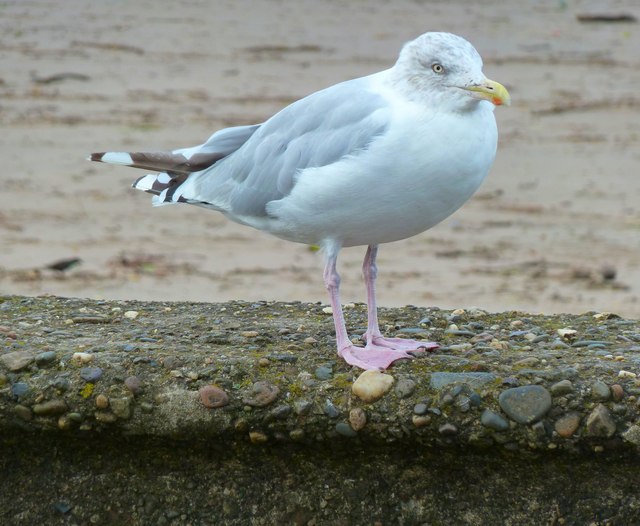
[(555, 228)]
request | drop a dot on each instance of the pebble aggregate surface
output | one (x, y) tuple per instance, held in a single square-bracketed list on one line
[(266, 372)]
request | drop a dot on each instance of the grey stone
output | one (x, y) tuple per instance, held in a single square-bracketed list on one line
[(475, 399), (331, 410), (474, 379), (134, 384), (45, 358), (539, 429), (632, 435), (91, 374), (525, 404), (302, 407), (281, 411), (493, 421), (19, 389), (420, 409), (463, 403), (405, 387), (323, 372), (600, 390), (600, 423), (345, 430), (561, 388), (17, 360), (61, 383)]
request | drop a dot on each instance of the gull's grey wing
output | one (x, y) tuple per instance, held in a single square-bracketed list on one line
[(315, 131)]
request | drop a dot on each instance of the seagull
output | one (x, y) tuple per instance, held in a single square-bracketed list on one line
[(364, 162)]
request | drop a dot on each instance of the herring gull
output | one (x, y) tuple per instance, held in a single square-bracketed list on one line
[(368, 161)]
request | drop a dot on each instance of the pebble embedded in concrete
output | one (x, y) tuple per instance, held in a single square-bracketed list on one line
[(372, 385), (493, 420), (344, 429), (262, 394), (50, 407), (19, 389), (102, 401), (567, 425), (212, 397), (600, 423), (91, 374), (525, 404), (405, 387), (258, 437), (330, 409), (17, 360), (561, 388), (80, 358), (357, 418), (121, 407), (600, 390), (45, 358), (134, 384)]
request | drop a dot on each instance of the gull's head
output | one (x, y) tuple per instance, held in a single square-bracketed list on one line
[(445, 68)]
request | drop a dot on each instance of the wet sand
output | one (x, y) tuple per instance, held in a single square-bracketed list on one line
[(555, 228)]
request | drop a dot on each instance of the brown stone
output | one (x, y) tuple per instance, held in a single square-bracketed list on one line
[(567, 425), (50, 407), (213, 397), (262, 394), (617, 392), (357, 418)]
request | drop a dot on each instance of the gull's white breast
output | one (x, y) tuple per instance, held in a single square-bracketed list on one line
[(425, 167)]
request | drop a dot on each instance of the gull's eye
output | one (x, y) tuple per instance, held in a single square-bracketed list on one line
[(437, 68)]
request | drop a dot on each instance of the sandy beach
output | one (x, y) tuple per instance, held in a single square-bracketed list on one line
[(555, 228)]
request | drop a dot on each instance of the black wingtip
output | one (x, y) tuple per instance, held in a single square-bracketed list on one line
[(96, 157)]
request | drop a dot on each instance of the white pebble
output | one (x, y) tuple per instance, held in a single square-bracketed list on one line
[(81, 357), (626, 374), (567, 333), (327, 310), (604, 315), (131, 314), (372, 385)]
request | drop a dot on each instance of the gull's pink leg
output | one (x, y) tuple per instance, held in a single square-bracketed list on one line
[(373, 335), (332, 282), (372, 356)]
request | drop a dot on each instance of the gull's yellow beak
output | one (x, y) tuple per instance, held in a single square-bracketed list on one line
[(490, 90)]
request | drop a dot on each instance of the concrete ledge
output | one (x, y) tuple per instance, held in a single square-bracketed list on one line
[(239, 413)]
